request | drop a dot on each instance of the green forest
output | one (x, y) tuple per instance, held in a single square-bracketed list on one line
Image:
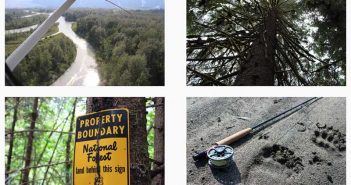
[(15, 18), (266, 43), (39, 137), (129, 47), (48, 60)]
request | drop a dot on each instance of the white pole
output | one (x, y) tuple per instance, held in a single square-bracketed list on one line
[(16, 57)]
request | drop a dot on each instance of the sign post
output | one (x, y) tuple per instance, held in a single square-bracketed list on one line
[(101, 152)]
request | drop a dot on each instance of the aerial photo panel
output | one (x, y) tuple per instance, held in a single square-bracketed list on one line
[(84, 43)]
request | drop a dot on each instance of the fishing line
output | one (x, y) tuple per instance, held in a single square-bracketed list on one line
[(307, 126)]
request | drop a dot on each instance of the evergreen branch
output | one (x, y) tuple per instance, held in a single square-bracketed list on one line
[(292, 66), (328, 65), (207, 77), (209, 59)]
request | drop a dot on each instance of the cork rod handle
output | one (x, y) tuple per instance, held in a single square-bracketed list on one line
[(231, 139)]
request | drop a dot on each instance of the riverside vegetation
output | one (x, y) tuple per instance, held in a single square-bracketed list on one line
[(48, 60), (129, 47)]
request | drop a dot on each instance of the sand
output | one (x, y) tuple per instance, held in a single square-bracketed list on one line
[(308, 147)]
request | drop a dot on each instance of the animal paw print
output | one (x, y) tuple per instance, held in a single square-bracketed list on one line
[(317, 160), (329, 138), (284, 156)]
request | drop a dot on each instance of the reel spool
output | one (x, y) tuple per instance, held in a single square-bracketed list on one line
[(220, 156)]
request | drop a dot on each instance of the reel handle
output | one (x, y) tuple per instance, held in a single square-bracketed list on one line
[(226, 141), (236, 136), (200, 156)]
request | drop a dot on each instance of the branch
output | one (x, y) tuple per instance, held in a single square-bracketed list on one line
[(292, 66), (207, 59), (39, 166), (229, 75), (151, 106), (327, 66), (207, 77), (197, 36), (38, 130)]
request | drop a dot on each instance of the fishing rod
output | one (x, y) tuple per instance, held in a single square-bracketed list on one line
[(220, 154)]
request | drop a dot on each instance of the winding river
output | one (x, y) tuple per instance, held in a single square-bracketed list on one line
[(83, 71), (20, 30)]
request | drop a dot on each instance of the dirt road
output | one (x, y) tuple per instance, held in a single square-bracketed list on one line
[(308, 147)]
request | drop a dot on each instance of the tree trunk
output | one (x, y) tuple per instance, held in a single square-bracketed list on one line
[(14, 120), (54, 128), (159, 143), (34, 116), (258, 70), (139, 157), (68, 145)]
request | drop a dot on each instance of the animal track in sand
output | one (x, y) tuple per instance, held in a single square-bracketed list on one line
[(283, 156), (316, 159), (263, 136), (329, 138)]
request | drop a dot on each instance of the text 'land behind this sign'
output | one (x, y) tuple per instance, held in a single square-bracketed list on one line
[(104, 134)]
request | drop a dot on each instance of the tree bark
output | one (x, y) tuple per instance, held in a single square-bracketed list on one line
[(159, 143), (139, 157), (14, 120), (258, 70), (34, 116), (68, 145)]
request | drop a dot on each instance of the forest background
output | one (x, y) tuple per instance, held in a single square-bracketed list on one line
[(40, 138)]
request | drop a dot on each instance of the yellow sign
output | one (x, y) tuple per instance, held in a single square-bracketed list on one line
[(101, 151)]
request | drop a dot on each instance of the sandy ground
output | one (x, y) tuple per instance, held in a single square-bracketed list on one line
[(308, 147)]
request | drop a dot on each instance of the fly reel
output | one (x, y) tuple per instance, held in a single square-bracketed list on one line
[(220, 156)]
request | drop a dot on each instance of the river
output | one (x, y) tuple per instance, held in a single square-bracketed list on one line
[(83, 71), (20, 30), (28, 28)]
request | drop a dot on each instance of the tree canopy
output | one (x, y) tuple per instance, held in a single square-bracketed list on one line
[(48, 60), (16, 18), (269, 42), (129, 47)]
